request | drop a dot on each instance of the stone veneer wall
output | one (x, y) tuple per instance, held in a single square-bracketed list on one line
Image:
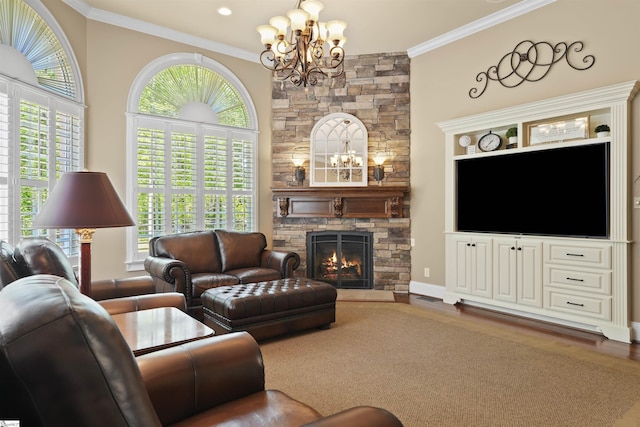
[(374, 88)]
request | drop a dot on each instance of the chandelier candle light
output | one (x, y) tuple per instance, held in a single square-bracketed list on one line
[(297, 53)]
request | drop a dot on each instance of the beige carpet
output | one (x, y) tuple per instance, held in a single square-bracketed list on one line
[(431, 369), (365, 295)]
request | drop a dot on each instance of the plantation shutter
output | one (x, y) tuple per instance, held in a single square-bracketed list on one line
[(40, 139), (150, 160), (243, 178), (216, 211), (184, 205), (5, 165)]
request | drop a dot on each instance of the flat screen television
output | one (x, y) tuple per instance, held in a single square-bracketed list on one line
[(560, 191)]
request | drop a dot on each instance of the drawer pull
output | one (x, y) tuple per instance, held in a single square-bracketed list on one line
[(573, 303), (575, 255), (575, 280)]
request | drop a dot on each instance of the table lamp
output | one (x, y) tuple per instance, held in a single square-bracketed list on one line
[(83, 201)]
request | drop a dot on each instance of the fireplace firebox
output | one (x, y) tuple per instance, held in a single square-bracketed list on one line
[(342, 258)]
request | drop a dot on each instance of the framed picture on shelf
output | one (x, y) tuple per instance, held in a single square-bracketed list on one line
[(563, 130)]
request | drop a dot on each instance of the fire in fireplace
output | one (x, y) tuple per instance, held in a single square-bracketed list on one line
[(342, 258)]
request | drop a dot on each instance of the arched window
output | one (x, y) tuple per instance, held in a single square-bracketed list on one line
[(41, 117), (192, 162)]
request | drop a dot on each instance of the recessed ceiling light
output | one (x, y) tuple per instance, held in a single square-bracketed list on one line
[(224, 11)]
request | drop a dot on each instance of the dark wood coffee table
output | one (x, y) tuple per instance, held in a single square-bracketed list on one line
[(157, 328)]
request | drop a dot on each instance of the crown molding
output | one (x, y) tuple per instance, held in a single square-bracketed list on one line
[(122, 21), (518, 9), (99, 15)]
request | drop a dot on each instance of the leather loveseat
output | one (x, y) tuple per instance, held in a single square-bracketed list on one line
[(193, 262), (70, 366)]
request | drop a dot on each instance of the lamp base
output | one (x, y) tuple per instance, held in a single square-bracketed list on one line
[(86, 237)]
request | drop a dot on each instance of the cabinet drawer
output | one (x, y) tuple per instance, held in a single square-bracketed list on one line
[(596, 281), (598, 308), (591, 256)]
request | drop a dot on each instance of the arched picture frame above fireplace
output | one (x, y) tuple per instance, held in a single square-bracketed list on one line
[(339, 151)]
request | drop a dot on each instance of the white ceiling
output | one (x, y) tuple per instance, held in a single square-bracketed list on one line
[(374, 26)]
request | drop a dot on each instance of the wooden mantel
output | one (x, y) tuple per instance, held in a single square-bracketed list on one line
[(340, 202)]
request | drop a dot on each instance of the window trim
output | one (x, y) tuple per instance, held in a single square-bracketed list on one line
[(134, 259)]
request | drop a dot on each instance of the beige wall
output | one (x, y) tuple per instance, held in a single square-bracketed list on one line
[(111, 58), (441, 79)]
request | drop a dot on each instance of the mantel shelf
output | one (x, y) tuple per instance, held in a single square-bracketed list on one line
[(340, 202)]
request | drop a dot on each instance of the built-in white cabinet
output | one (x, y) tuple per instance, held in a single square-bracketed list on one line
[(574, 271)]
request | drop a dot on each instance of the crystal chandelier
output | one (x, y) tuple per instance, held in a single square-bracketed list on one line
[(297, 54)]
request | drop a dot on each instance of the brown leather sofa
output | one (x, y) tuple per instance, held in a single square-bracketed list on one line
[(193, 262), (70, 366), (39, 255)]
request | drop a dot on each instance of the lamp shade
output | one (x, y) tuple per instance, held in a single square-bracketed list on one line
[(83, 200)]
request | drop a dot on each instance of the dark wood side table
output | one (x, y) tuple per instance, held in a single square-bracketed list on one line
[(157, 328)]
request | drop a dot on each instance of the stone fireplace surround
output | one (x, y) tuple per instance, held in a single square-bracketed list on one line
[(375, 88), (383, 211)]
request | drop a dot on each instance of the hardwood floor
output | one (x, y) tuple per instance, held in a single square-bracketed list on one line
[(562, 334)]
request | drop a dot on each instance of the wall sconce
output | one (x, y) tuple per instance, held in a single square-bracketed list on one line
[(299, 174), (378, 169)]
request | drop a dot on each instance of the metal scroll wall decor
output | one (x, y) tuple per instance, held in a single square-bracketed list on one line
[(531, 62)]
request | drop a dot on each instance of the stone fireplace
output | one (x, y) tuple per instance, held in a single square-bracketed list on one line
[(342, 258), (375, 89), (381, 212)]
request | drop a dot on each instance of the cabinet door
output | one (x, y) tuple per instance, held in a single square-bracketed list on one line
[(504, 270), (472, 271), (481, 253), (529, 271), (461, 272)]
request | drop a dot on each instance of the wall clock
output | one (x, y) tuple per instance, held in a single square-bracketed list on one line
[(490, 142), (464, 140)]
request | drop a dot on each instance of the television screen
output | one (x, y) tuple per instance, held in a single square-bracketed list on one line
[(554, 192)]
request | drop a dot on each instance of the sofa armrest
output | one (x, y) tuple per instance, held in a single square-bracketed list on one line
[(186, 379), (144, 302), (169, 275), (125, 287), (360, 416), (284, 262)]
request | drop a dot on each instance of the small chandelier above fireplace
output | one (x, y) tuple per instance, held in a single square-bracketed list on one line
[(297, 54), (346, 162)]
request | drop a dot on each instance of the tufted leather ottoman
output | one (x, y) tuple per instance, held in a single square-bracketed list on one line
[(267, 309)]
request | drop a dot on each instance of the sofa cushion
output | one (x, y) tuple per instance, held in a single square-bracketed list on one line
[(203, 281), (240, 250), (255, 274), (197, 249)]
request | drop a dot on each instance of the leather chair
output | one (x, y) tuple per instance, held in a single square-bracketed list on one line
[(70, 366), (39, 255)]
